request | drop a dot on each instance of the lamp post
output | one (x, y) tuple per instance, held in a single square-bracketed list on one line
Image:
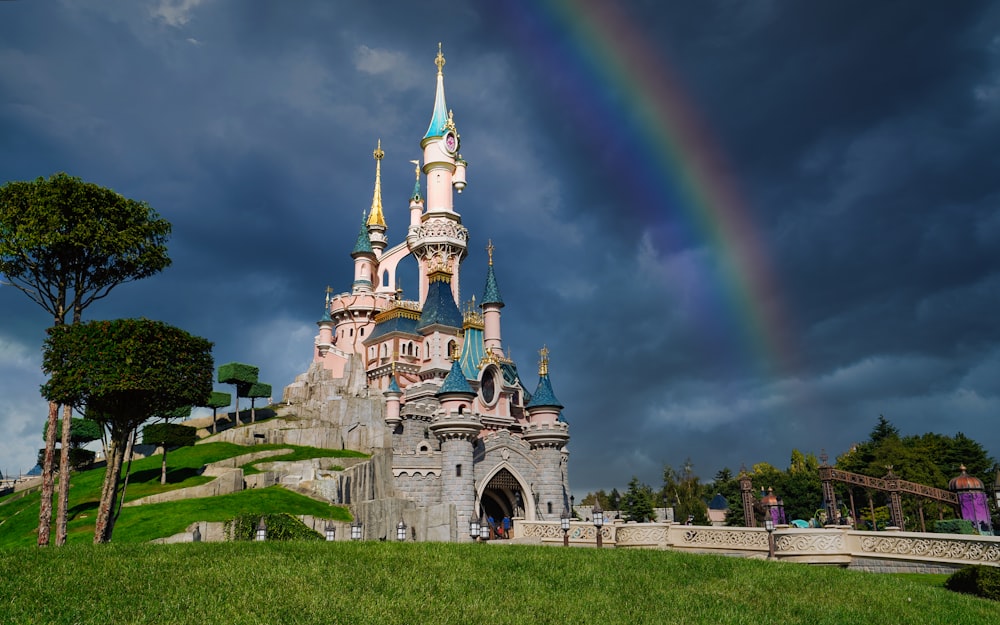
[(769, 526), (474, 528), (401, 531), (356, 530), (598, 522), (331, 532), (564, 521), (261, 529), (484, 528)]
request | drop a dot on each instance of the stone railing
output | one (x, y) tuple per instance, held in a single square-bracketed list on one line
[(881, 551)]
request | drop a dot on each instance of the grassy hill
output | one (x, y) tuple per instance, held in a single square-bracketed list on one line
[(19, 514), (426, 583)]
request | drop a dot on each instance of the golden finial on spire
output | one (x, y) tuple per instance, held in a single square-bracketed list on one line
[(376, 218), (328, 291), (489, 250), (543, 363), (439, 60), (416, 170)]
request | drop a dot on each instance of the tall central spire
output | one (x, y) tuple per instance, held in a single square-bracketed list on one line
[(439, 119), (375, 218)]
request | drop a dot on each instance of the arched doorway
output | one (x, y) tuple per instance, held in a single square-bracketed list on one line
[(503, 496)]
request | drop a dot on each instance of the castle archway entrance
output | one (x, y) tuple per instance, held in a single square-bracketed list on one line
[(503, 496)]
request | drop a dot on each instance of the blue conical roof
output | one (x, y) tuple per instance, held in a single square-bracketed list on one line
[(439, 306), (326, 313), (416, 191), (491, 294), (393, 387), (456, 382), (543, 395), (364, 243), (439, 118)]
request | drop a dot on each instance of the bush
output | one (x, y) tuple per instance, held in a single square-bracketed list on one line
[(954, 526), (977, 579), (279, 527)]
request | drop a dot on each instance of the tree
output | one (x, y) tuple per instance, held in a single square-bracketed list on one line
[(257, 390), (638, 502), (126, 371), (215, 401), (169, 435), (684, 490), (243, 377), (66, 243)]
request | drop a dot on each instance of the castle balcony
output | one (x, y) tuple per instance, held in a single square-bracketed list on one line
[(546, 434), (454, 424)]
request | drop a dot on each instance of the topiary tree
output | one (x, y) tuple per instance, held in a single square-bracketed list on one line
[(242, 377), (169, 435), (126, 371), (257, 390), (66, 243), (215, 401)]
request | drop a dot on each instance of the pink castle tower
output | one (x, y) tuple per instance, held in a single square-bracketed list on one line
[(425, 388)]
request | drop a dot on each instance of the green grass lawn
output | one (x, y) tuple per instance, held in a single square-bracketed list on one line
[(19, 515), (410, 583)]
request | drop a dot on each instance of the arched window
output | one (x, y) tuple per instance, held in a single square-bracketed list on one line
[(361, 332), (549, 506), (351, 332)]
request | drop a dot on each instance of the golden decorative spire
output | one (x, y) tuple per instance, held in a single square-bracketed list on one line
[(439, 60), (543, 363), (328, 291), (416, 170), (489, 250), (376, 218)]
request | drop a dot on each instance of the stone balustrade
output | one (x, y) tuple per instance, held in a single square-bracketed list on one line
[(841, 546)]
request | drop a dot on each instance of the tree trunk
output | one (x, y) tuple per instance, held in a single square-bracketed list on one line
[(163, 467), (45, 507), (109, 489), (214, 417), (128, 474), (253, 410), (61, 516)]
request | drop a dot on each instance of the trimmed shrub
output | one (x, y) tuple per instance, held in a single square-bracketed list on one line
[(279, 527), (954, 526), (977, 579)]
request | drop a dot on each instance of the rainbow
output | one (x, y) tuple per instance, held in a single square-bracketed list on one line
[(606, 64)]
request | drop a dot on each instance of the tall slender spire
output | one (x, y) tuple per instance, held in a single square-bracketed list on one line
[(416, 185), (439, 119), (375, 217)]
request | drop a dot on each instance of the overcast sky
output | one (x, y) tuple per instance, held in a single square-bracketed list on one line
[(739, 227)]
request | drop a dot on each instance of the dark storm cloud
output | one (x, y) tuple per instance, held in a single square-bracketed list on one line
[(862, 137)]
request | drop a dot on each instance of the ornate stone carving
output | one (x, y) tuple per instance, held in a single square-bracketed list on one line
[(725, 538), (641, 535), (813, 542), (969, 550)]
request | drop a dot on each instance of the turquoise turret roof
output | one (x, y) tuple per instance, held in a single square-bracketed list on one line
[(491, 294), (439, 118), (416, 191), (326, 312), (364, 243), (393, 387), (456, 382), (543, 395), (473, 352), (439, 306)]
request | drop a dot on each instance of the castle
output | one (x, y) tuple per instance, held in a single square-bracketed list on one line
[(425, 386)]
